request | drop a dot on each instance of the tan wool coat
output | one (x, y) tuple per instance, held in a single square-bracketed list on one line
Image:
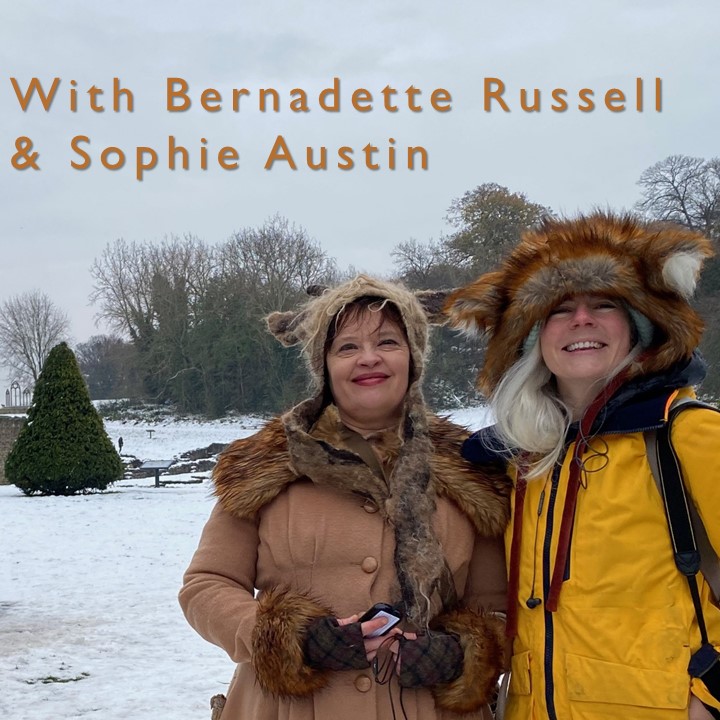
[(305, 517)]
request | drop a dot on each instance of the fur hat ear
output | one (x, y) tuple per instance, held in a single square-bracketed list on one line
[(432, 302), (474, 308), (681, 272), (315, 290), (284, 326)]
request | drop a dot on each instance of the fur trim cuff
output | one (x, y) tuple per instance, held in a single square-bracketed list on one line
[(482, 637), (277, 642)]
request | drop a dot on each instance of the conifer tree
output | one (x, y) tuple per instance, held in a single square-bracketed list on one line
[(63, 448)]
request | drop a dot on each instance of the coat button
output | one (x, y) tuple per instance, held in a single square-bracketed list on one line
[(363, 683), (370, 507), (369, 565)]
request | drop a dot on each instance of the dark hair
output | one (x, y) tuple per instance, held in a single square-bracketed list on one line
[(356, 309)]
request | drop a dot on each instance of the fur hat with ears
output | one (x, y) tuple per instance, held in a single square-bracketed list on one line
[(652, 267), (310, 324)]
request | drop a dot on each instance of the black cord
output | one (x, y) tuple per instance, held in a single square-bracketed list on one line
[(402, 705), (384, 662), (384, 668), (532, 601)]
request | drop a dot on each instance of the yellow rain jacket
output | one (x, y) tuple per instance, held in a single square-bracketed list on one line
[(619, 644)]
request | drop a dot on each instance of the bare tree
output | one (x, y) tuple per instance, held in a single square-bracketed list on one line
[(685, 190), (276, 262), (30, 326), (428, 265), (123, 276), (193, 312), (417, 260), (127, 276)]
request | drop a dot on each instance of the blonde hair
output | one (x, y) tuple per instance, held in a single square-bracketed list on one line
[(531, 419)]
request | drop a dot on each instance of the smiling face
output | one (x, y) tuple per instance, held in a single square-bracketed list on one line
[(583, 341), (368, 368)]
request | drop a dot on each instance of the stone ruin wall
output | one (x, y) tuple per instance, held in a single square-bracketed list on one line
[(9, 430)]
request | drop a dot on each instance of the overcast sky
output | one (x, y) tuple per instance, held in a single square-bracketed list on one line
[(55, 221)]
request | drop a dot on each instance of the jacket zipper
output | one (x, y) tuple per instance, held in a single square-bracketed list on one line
[(547, 574)]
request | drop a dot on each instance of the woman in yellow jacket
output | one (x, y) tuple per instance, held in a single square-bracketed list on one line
[(590, 338)]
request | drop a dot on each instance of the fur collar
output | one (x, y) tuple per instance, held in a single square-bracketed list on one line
[(252, 471), (310, 442)]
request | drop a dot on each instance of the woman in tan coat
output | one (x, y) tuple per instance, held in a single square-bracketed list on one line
[(356, 496)]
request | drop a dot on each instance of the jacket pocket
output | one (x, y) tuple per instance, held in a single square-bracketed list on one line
[(590, 680), (520, 674)]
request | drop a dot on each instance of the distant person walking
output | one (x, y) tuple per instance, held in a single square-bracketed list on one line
[(120, 444)]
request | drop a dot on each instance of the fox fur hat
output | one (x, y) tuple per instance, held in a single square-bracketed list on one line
[(309, 326), (651, 267)]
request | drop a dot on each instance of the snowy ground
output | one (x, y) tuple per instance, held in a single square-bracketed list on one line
[(89, 622)]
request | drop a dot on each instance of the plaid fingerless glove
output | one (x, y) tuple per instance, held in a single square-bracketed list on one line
[(330, 646), (433, 659)]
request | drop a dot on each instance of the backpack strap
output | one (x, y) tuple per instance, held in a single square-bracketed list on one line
[(691, 545)]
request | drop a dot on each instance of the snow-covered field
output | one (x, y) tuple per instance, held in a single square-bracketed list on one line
[(89, 622)]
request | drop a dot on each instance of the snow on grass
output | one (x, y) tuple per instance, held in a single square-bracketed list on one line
[(90, 626)]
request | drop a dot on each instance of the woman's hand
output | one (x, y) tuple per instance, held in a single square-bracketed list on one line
[(697, 711), (372, 644)]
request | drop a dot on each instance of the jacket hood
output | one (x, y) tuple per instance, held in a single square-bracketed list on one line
[(651, 267)]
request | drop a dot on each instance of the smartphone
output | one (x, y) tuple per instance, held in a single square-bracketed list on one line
[(393, 615)]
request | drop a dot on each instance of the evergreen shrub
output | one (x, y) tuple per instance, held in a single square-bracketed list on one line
[(63, 448)]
